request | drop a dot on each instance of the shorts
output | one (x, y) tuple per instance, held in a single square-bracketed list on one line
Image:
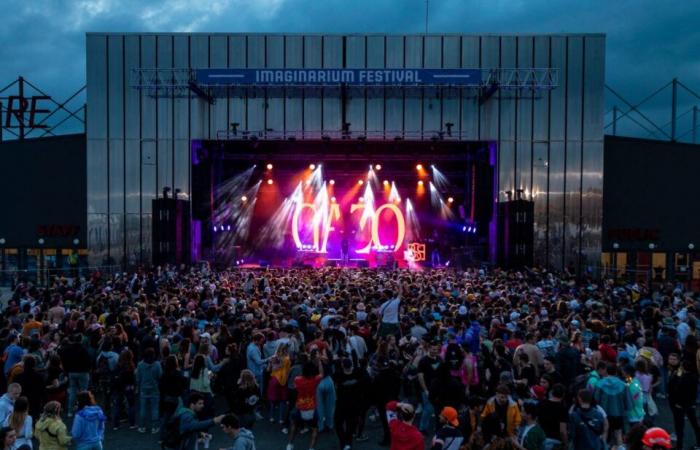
[(616, 423), (300, 421)]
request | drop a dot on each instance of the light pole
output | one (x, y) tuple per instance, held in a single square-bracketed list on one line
[(3, 264), (616, 246), (40, 265)]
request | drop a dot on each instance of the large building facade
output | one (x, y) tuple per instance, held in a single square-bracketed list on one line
[(549, 141)]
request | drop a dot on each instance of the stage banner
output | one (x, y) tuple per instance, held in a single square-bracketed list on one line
[(334, 77)]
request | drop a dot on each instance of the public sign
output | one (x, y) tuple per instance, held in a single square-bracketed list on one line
[(331, 77)]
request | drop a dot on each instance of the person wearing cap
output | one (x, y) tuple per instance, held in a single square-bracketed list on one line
[(448, 436), (404, 435), (656, 438)]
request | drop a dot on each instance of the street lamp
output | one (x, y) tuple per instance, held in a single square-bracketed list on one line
[(40, 266), (2, 260), (76, 241)]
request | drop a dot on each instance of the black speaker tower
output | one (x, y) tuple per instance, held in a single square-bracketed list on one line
[(170, 230), (516, 228)]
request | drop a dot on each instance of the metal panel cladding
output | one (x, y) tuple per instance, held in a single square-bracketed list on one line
[(550, 143)]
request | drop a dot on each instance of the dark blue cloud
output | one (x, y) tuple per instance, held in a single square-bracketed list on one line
[(648, 42)]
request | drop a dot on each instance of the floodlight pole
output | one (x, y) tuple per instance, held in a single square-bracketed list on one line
[(674, 105)]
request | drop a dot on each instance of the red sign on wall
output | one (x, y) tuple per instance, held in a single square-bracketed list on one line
[(58, 230)]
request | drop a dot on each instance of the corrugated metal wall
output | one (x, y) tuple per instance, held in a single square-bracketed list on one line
[(550, 145)]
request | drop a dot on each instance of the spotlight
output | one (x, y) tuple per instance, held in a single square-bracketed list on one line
[(385, 182), (464, 228), (360, 182), (244, 199), (312, 166), (420, 183), (419, 166), (214, 228), (450, 200), (332, 182), (228, 228), (362, 199), (378, 167), (333, 199), (469, 229), (269, 167), (270, 181)]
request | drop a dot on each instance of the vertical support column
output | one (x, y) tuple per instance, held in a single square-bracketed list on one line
[(615, 120), (674, 104), (22, 100)]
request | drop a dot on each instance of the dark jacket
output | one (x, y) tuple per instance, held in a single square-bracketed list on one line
[(173, 384), (75, 358), (682, 389)]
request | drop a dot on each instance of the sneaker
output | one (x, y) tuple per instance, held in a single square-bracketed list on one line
[(285, 430), (142, 430), (362, 438), (155, 430), (290, 446)]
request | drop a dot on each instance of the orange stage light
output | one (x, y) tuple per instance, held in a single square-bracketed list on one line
[(450, 200), (269, 167), (419, 167), (270, 181), (244, 199), (360, 182), (332, 182), (312, 166), (378, 167)]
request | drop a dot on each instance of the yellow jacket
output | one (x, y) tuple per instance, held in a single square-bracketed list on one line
[(512, 414), (52, 434)]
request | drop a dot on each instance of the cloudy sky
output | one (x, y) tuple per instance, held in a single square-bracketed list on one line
[(648, 41)]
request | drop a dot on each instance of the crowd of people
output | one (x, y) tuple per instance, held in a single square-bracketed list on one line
[(443, 359)]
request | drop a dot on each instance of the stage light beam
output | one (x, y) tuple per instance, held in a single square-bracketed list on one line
[(269, 167), (419, 167), (312, 166), (332, 182), (360, 182), (378, 167)]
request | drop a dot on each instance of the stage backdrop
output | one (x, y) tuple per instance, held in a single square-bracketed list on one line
[(550, 143)]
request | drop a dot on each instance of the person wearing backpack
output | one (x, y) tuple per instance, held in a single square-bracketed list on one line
[(106, 370), (148, 374), (586, 424), (184, 429)]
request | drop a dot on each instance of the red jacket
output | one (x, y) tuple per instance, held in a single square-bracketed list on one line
[(403, 435)]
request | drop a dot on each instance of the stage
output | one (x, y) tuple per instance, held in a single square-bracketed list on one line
[(343, 202)]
